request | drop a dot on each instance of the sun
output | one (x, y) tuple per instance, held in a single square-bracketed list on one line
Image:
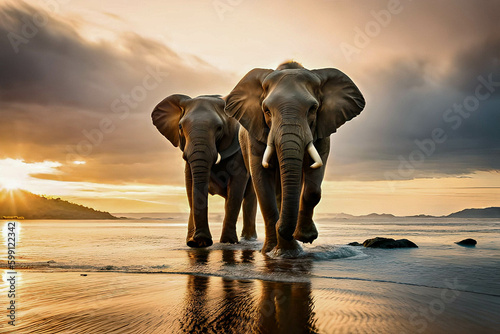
[(17, 174), (11, 184)]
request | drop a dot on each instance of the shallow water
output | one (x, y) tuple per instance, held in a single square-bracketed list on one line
[(142, 278)]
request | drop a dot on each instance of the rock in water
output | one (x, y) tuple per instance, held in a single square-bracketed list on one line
[(354, 243), (389, 243), (467, 242)]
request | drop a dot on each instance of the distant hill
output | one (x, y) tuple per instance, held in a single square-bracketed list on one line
[(22, 203), (493, 212), (378, 215), (421, 216)]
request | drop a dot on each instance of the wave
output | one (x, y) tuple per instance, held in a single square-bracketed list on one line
[(330, 252)]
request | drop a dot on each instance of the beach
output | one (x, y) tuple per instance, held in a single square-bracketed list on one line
[(137, 276)]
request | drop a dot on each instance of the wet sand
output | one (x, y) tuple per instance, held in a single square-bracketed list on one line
[(107, 302)]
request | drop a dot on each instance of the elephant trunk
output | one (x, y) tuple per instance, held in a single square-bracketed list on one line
[(311, 150), (290, 150), (200, 163)]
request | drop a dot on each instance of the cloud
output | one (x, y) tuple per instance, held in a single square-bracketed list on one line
[(65, 98), (408, 100)]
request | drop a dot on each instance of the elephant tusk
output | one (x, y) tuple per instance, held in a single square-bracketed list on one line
[(315, 156), (267, 156), (219, 158)]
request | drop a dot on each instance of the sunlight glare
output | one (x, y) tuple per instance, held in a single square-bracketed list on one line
[(17, 174), (11, 184)]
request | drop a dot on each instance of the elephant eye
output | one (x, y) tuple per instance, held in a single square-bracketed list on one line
[(313, 108), (180, 127)]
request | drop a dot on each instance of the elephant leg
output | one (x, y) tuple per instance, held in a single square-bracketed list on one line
[(191, 227), (249, 213), (265, 190), (232, 208), (264, 182), (311, 195)]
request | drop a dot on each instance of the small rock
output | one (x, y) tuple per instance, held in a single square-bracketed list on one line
[(389, 243), (83, 274), (355, 243), (51, 261), (467, 242)]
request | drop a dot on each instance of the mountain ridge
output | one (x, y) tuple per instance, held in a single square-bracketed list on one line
[(490, 212), (16, 204)]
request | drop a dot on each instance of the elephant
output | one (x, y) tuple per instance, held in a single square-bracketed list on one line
[(288, 115), (208, 139)]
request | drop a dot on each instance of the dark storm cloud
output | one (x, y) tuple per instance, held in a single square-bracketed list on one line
[(420, 123), (63, 97), (54, 64), (479, 58)]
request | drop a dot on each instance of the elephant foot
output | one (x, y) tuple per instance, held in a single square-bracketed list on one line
[(201, 238), (249, 235), (286, 249), (269, 245), (230, 238), (306, 233)]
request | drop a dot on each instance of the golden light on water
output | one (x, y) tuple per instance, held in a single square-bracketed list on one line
[(6, 275)]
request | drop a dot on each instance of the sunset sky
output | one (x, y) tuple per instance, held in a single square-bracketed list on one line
[(79, 79)]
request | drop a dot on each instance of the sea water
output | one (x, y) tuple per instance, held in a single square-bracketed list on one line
[(333, 287)]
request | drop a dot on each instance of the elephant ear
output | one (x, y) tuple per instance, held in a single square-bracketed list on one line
[(244, 103), (167, 114), (341, 101)]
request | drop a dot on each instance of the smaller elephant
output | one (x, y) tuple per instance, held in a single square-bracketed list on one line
[(208, 139)]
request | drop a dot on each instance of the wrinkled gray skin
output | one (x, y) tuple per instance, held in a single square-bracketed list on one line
[(287, 109), (203, 131)]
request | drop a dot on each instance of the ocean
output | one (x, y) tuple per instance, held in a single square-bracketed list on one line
[(138, 276)]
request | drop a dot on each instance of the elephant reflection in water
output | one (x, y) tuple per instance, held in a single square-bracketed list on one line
[(285, 308), (246, 306)]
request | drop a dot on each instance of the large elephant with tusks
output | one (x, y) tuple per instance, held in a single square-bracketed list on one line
[(288, 115)]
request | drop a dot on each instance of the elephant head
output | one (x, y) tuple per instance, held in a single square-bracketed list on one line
[(289, 109), (201, 129)]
